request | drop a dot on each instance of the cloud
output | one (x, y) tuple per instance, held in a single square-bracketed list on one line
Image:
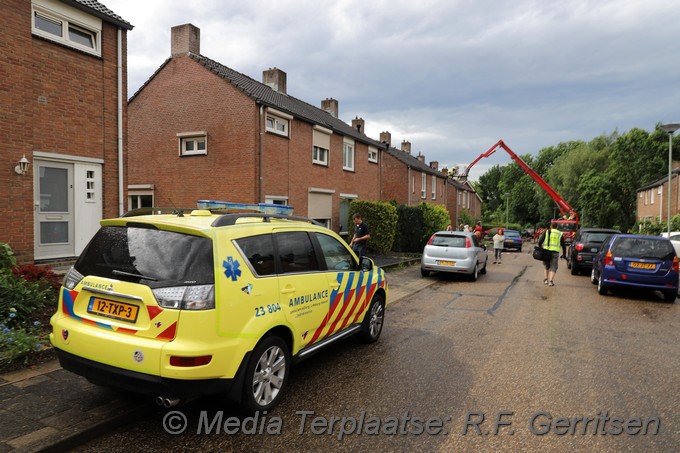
[(451, 77)]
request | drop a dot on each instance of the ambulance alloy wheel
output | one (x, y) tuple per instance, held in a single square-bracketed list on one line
[(266, 375), (372, 325)]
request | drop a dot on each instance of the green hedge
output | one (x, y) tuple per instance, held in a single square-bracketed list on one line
[(381, 219), (416, 225)]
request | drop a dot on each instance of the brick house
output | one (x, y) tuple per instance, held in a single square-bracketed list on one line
[(64, 79), (408, 180), (651, 199), (200, 130)]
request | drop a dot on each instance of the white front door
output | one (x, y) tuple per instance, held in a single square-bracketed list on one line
[(68, 206), (54, 234)]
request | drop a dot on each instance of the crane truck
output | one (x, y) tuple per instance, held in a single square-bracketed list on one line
[(567, 223)]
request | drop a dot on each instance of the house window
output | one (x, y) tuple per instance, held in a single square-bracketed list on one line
[(651, 200), (68, 26), (434, 188), (322, 144), (90, 187), (320, 155), (348, 155), (140, 196), (277, 125), (413, 184), (423, 185), (272, 199), (372, 154), (193, 143)]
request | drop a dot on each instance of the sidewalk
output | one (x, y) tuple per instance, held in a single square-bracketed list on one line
[(47, 408)]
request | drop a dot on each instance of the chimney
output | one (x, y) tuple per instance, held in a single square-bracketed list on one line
[(386, 138), (434, 165), (406, 147), (421, 158), (275, 79), (358, 124), (330, 105), (185, 39)]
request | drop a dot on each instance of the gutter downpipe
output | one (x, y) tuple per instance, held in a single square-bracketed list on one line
[(408, 186), (259, 160), (121, 202)]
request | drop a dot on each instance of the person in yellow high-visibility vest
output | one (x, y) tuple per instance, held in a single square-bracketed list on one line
[(552, 240)]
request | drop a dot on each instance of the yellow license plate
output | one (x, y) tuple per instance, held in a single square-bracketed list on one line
[(446, 263), (114, 310), (643, 265)]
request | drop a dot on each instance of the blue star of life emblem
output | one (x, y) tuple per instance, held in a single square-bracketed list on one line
[(231, 268)]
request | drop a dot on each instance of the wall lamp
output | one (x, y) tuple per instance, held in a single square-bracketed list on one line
[(22, 168)]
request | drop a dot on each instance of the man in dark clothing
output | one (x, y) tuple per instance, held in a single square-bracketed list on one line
[(360, 239)]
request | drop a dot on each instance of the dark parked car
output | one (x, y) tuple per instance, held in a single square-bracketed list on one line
[(584, 247), (513, 240), (632, 261)]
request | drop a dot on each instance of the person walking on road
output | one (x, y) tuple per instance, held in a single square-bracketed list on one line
[(498, 241), (552, 240), (361, 236)]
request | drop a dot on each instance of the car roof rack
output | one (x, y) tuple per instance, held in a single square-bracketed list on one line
[(231, 219)]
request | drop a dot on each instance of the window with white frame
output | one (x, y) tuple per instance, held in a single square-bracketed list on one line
[(423, 185), (651, 201), (66, 25), (434, 188), (321, 145), (413, 183), (90, 188), (193, 143), (277, 124), (373, 154), (273, 199), (140, 196), (348, 155)]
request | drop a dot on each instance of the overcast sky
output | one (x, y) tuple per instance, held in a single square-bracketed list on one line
[(450, 76)]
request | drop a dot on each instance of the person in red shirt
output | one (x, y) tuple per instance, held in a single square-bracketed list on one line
[(478, 230)]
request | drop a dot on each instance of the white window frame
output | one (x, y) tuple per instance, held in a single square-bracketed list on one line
[(69, 20), (348, 155), (373, 154), (320, 155), (136, 191), (277, 122), (434, 188), (195, 138), (423, 185), (276, 199)]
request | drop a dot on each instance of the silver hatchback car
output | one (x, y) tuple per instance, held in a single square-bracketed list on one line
[(454, 251)]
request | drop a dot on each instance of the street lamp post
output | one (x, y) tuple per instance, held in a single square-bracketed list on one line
[(670, 128), (507, 210)]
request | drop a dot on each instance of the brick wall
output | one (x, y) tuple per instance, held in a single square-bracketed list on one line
[(62, 101)]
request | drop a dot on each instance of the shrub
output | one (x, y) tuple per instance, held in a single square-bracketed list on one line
[(20, 302), (381, 219), (410, 226)]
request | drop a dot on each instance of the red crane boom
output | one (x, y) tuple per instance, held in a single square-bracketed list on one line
[(569, 221)]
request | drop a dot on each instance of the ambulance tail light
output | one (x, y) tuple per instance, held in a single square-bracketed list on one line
[(197, 297), (71, 279)]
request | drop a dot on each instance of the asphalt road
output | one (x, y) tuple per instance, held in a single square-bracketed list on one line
[(501, 364)]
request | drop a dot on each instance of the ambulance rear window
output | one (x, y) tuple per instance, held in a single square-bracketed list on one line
[(155, 257)]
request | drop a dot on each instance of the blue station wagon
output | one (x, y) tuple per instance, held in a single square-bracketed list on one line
[(633, 261)]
